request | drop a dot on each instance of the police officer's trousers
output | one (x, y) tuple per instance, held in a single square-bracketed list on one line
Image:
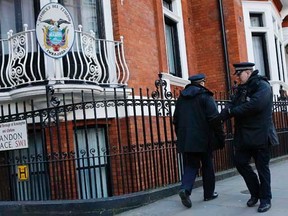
[(260, 189), (191, 166)]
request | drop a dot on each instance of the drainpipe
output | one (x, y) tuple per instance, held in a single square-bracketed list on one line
[(225, 48)]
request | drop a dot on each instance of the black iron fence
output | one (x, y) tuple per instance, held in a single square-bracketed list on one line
[(88, 145)]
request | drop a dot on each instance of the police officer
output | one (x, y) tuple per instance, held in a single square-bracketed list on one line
[(251, 108), (199, 131)]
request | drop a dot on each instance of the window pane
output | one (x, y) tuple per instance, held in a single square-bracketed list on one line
[(277, 56), (258, 51), (7, 17), (37, 188), (168, 4), (28, 16), (282, 62), (90, 148), (256, 20), (170, 49), (85, 13), (14, 14)]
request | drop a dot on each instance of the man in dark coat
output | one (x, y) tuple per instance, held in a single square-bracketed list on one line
[(199, 131), (251, 108)]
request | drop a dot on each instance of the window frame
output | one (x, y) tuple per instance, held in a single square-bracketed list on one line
[(259, 17), (175, 15), (19, 15), (174, 43), (92, 137), (272, 29), (264, 47), (99, 18)]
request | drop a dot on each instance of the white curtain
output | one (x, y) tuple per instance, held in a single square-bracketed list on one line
[(83, 13), (7, 17), (258, 51), (14, 14), (170, 49), (91, 163)]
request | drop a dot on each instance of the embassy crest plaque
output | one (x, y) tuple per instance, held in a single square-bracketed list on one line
[(55, 30)]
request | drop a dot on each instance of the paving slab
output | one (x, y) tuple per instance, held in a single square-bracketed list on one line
[(232, 199)]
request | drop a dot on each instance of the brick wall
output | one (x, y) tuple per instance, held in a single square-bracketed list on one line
[(285, 22), (205, 46), (142, 26), (278, 4)]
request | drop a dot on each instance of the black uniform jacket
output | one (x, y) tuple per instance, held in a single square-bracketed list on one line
[(196, 121), (252, 109)]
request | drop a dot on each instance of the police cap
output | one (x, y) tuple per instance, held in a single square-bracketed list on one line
[(242, 66), (197, 78)]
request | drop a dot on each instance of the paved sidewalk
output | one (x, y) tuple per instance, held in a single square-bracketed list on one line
[(232, 199)]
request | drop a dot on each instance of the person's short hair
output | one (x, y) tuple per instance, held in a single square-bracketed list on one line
[(242, 66)]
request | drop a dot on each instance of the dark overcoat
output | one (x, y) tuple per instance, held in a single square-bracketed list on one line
[(252, 109), (196, 121)]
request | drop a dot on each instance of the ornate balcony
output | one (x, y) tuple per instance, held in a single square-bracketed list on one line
[(91, 63)]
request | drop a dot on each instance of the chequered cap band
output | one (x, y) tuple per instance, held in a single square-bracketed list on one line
[(244, 68)]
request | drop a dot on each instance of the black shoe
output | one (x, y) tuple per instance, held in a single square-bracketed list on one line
[(214, 196), (264, 207), (185, 198), (252, 201)]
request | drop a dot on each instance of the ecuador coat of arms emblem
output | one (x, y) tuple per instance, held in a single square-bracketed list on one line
[(55, 35)]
